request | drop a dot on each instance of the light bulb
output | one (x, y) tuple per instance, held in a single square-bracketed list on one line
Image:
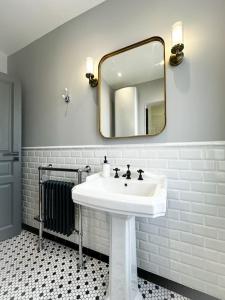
[(89, 65), (177, 33)]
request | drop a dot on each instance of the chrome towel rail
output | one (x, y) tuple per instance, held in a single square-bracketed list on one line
[(40, 218)]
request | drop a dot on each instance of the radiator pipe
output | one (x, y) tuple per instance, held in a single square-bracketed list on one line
[(86, 169), (40, 240), (80, 230)]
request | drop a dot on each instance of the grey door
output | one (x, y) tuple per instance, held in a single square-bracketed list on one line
[(10, 157)]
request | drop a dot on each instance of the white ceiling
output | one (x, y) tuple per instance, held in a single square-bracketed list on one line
[(141, 64), (23, 21)]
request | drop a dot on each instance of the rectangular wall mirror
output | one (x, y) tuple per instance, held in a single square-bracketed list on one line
[(131, 90)]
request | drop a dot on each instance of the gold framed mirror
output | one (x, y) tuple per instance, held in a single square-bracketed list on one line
[(132, 90)]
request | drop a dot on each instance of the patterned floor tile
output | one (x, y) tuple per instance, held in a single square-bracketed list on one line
[(27, 274)]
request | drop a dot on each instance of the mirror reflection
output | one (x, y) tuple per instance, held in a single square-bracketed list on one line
[(132, 90)]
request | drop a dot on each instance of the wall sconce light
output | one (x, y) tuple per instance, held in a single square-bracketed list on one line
[(177, 55), (89, 72), (66, 96)]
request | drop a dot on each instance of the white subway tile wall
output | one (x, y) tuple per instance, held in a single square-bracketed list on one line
[(188, 244)]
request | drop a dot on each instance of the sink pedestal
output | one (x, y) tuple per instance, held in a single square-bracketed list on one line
[(123, 284), (123, 199)]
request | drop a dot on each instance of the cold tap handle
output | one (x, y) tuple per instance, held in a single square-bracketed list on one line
[(140, 177)]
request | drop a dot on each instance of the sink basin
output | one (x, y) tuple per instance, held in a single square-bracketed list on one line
[(145, 198), (123, 199)]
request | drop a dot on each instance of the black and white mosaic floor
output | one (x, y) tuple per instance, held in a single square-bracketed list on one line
[(53, 274)]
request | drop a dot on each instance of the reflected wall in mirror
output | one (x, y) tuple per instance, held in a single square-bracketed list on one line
[(131, 90)]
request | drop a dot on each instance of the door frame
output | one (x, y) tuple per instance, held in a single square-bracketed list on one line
[(16, 165)]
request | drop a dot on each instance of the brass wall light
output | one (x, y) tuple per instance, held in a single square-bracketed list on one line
[(177, 55), (89, 72)]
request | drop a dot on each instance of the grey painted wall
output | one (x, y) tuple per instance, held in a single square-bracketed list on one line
[(195, 89)]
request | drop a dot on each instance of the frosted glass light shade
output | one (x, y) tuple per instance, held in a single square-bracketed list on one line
[(89, 65), (177, 33)]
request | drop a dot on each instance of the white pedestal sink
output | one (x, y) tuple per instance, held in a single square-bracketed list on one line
[(123, 199)]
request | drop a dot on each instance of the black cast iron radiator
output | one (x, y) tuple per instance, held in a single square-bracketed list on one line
[(58, 206)]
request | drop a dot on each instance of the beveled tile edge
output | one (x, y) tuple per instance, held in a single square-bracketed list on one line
[(148, 145)]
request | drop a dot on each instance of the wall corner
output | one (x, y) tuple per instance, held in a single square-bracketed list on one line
[(3, 63)]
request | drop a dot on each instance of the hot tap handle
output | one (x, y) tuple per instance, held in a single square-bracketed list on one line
[(116, 174)]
